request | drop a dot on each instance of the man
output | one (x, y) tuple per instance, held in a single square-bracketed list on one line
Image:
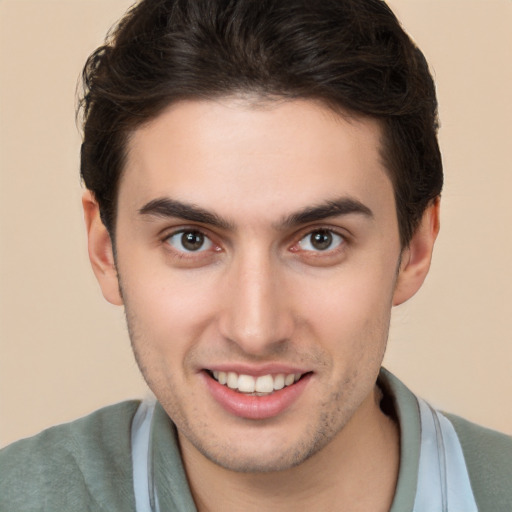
[(263, 183)]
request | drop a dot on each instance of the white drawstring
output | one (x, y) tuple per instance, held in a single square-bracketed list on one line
[(443, 479), (146, 499)]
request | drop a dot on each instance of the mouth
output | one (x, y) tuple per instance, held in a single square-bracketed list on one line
[(250, 385), (256, 397)]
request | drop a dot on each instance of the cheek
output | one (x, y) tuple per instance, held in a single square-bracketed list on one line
[(161, 322), (354, 306), (166, 309)]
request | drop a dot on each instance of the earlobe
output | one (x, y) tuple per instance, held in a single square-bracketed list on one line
[(417, 256), (101, 253)]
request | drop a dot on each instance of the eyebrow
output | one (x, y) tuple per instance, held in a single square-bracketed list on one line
[(332, 208), (171, 208)]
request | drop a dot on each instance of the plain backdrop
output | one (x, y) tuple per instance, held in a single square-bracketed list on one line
[(65, 352)]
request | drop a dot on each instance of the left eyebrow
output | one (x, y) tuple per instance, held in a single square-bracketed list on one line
[(332, 208), (170, 208)]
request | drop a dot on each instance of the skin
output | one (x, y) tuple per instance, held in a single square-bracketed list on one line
[(258, 293)]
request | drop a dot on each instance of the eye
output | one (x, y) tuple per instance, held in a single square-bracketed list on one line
[(190, 241), (321, 240)]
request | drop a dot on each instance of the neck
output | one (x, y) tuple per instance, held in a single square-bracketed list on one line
[(358, 470)]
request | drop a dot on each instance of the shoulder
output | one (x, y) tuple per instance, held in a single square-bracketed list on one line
[(82, 465), (488, 457)]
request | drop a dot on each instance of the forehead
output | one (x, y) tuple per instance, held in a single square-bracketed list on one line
[(264, 159)]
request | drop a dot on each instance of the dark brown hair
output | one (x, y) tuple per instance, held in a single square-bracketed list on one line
[(351, 54)]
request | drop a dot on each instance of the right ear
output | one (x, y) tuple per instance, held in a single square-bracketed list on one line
[(101, 252)]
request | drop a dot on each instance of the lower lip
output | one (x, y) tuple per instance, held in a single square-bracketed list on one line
[(255, 407)]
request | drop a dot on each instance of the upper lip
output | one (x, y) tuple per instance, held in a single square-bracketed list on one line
[(257, 371)]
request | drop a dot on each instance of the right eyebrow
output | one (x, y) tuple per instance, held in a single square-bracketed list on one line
[(165, 207), (330, 208)]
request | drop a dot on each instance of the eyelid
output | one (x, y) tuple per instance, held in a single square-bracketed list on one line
[(293, 243), (337, 241), (168, 233), (206, 242), (308, 230)]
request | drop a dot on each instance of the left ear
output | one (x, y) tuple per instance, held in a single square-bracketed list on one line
[(417, 256)]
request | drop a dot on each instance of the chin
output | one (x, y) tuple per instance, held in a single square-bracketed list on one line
[(260, 462), (262, 456)]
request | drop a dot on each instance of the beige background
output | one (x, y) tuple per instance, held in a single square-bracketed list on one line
[(64, 351)]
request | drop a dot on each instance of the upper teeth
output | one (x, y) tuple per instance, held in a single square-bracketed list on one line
[(250, 384)]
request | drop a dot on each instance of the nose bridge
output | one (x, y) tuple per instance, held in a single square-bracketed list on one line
[(256, 316)]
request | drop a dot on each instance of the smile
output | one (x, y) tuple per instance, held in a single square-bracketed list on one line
[(255, 386), (256, 397)]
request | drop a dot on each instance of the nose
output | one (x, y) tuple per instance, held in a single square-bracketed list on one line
[(257, 313)]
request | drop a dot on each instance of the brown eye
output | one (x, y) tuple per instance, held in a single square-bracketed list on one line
[(189, 241), (192, 241), (321, 240)]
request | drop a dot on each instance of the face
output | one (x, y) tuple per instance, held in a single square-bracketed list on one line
[(257, 252)]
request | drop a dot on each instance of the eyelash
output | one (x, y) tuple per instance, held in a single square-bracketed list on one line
[(183, 254), (336, 238)]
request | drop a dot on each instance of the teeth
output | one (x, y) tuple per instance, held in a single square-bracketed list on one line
[(262, 385), (279, 381), (232, 380), (246, 384)]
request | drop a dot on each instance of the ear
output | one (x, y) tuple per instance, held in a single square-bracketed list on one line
[(101, 253), (417, 256)]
